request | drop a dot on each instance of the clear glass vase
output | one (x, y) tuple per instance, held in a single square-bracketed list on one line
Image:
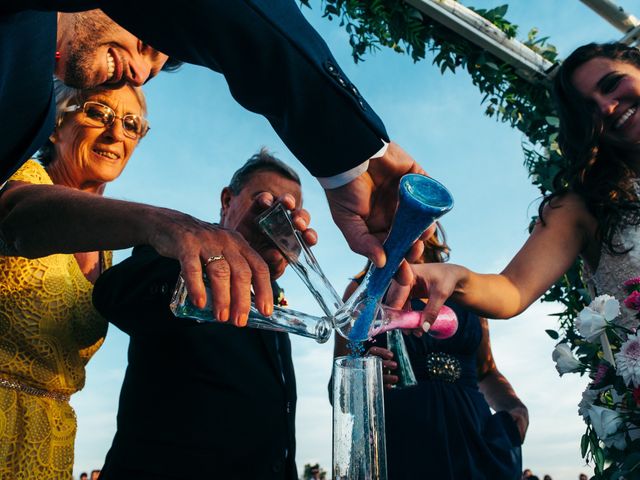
[(404, 371), (276, 224), (282, 319), (359, 451)]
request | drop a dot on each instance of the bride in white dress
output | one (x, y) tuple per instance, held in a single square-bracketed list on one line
[(595, 212)]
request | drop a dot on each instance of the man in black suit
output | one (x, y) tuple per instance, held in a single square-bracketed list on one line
[(204, 400), (275, 64)]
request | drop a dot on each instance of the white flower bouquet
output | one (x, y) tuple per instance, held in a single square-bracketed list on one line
[(606, 346)]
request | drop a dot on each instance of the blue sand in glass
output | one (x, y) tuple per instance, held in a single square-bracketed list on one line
[(422, 201), (356, 349), (361, 325)]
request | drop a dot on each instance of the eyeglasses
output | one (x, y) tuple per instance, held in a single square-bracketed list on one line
[(100, 115)]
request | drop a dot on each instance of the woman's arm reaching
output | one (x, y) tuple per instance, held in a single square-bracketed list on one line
[(568, 231)]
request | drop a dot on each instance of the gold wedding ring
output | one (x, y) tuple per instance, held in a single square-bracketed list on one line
[(212, 259)]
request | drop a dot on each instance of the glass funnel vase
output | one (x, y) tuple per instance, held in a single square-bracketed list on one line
[(359, 451), (282, 319), (276, 224), (422, 200)]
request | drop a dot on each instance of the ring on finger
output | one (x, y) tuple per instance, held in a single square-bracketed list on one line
[(213, 258)]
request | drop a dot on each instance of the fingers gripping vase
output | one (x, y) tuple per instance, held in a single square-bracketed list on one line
[(422, 200)]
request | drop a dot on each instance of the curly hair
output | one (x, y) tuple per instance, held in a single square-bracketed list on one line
[(598, 170)]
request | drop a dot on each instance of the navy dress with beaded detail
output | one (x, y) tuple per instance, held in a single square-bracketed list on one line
[(443, 428)]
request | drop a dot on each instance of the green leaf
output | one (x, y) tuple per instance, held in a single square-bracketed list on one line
[(553, 334), (598, 456), (584, 445), (501, 11), (553, 121)]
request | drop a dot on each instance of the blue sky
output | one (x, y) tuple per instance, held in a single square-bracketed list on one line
[(200, 136)]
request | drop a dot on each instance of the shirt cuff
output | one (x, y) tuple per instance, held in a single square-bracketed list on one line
[(336, 181)]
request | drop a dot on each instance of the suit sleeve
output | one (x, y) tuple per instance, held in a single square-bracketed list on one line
[(135, 294), (276, 65)]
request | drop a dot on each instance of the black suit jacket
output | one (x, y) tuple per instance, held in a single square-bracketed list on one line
[(199, 400), (275, 63)]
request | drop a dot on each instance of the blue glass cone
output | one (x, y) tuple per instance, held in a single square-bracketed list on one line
[(422, 200)]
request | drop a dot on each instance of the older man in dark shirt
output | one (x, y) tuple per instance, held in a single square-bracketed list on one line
[(204, 400)]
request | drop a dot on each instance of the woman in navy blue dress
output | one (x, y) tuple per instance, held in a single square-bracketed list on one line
[(443, 428)]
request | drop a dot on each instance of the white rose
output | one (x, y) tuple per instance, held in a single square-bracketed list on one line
[(565, 361), (607, 306), (588, 397), (606, 423), (590, 324)]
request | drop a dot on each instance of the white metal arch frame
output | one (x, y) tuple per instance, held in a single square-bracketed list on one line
[(528, 64)]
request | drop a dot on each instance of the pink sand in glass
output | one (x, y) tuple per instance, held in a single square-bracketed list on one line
[(445, 326)]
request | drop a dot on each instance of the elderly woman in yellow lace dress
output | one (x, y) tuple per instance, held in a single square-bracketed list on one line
[(48, 327)]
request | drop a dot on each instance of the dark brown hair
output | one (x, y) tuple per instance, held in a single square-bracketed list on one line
[(436, 249), (598, 170)]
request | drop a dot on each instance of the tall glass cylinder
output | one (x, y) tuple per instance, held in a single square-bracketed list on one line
[(359, 451)]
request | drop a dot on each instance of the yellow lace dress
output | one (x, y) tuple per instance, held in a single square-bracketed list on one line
[(48, 332)]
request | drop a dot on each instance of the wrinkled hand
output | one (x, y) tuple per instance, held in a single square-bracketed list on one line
[(192, 242), (364, 208), (520, 415), (248, 228), (433, 281), (388, 379)]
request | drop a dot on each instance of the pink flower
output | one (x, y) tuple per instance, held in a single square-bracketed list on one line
[(628, 361), (632, 282), (633, 300), (601, 372), (282, 301)]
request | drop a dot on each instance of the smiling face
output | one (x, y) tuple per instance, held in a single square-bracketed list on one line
[(613, 88), (85, 156), (94, 50)]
